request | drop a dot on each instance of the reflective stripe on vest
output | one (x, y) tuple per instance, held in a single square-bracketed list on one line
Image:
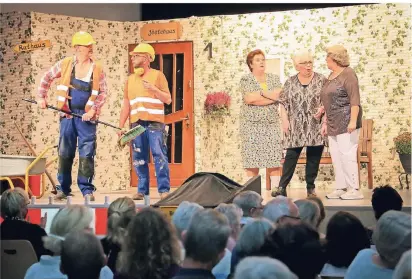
[(143, 103), (63, 87)]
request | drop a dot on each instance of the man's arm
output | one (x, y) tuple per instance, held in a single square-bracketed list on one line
[(45, 82), (103, 94), (125, 111), (161, 91)]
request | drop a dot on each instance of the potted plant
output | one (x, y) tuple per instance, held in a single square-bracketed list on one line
[(217, 103), (403, 148)]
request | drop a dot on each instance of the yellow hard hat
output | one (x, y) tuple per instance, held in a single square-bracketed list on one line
[(82, 39), (144, 48)]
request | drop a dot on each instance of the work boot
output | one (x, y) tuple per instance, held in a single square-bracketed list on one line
[(311, 193), (163, 195), (280, 191), (60, 196)]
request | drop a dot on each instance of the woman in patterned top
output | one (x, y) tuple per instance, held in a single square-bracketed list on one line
[(260, 131), (301, 98), (342, 122)]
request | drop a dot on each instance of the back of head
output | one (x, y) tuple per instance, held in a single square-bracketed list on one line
[(403, 268), (321, 207), (345, 236), (298, 247), (262, 268), (71, 218), (253, 236), (247, 201), (233, 214), (392, 236), (14, 203), (82, 256), (119, 214), (385, 198), (206, 236), (150, 246), (278, 207), (183, 214), (309, 212)]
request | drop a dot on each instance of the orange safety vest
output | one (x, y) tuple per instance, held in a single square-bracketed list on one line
[(63, 87), (143, 104)]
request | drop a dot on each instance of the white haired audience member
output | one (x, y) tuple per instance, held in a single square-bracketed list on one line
[(281, 210), (403, 268), (73, 218), (392, 238), (251, 204), (309, 212), (263, 268)]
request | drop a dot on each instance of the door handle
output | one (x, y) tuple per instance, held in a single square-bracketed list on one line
[(187, 119)]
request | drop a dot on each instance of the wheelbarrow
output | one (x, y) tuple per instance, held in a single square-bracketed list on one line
[(14, 167)]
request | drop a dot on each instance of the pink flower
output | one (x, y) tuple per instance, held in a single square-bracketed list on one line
[(217, 101)]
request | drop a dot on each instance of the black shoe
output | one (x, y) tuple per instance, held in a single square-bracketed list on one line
[(279, 192), (311, 193)]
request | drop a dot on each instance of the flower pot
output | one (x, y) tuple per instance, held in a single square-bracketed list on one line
[(406, 162)]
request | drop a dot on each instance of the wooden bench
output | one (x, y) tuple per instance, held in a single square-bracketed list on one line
[(364, 154)]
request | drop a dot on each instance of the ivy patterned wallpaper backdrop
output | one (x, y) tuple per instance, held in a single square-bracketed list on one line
[(378, 38)]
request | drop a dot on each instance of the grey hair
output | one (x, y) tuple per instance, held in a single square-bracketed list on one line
[(233, 214), (301, 55), (71, 218), (392, 236), (119, 214), (247, 200), (207, 236), (403, 268), (309, 212), (263, 268), (253, 236), (276, 208), (13, 204), (183, 214)]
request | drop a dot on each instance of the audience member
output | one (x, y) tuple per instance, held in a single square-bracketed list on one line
[(392, 238), (309, 212), (120, 213), (281, 210), (263, 268), (150, 248), (14, 210), (251, 239), (82, 256), (69, 219), (321, 207), (205, 243), (298, 247), (403, 268), (345, 237), (251, 204)]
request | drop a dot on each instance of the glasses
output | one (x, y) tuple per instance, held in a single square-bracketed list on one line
[(306, 63), (292, 217)]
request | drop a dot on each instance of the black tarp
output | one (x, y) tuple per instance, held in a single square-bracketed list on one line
[(208, 190)]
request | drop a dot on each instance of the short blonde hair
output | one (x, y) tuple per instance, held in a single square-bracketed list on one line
[(339, 54), (71, 218), (301, 55), (14, 203)]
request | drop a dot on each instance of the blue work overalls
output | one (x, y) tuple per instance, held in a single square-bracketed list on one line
[(73, 132)]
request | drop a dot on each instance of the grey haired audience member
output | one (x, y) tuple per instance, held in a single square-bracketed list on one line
[(392, 236), (321, 207), (263, 268), (309, 212), (205, 241), (251, 204), (233, 214), (82, 256), (251, 239), (183, 214), (281, 210), (403, 268)]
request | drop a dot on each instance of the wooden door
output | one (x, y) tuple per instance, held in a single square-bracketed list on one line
[(175, 60)]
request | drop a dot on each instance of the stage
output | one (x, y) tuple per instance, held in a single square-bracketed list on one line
[(361, 208)]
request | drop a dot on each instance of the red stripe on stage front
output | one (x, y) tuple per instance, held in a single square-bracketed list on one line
[(100, 221), (34, 215)]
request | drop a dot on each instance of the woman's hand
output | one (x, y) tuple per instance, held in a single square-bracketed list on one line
[(285, 126), (351, 126), (319, 113), (324, 130)]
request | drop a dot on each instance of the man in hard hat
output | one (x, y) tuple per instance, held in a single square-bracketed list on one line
[(145, 93), (81, 89)]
